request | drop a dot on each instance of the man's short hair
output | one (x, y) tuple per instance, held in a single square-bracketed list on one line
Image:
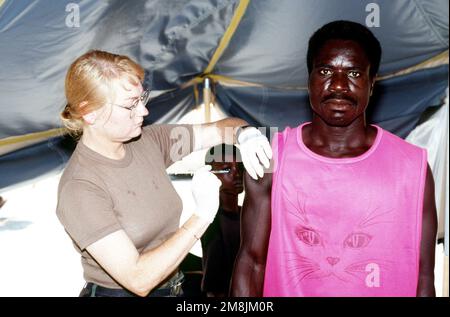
[(220, 152), (346, 30)]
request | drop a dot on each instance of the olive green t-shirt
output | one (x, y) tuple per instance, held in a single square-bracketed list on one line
[(98, 196)]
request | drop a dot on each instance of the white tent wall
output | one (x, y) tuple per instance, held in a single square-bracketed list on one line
[(433, 135)]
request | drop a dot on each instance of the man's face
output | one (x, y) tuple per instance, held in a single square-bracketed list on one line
[(339, 84), (232, 177)]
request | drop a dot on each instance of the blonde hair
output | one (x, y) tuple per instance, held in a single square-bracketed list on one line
[(89, 84)]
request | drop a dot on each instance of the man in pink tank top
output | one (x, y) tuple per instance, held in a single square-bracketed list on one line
[(349, 209)]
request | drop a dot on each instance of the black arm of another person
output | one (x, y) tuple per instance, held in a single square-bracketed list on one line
[(249, 269), (425, 287)]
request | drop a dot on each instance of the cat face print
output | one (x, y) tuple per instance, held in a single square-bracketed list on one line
[(338, 240)]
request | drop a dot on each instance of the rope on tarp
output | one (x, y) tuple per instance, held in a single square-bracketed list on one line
[(435, 61), (438, 60), (223, 44), (13, 143)]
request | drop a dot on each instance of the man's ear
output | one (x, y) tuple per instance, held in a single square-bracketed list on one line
[(372, 85), (89, 117)]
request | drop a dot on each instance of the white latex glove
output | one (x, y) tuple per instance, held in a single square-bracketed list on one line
[(255, 150), (205, 189)]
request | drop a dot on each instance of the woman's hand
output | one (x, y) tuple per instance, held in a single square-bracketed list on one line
[(205, 189), (255, 150), (254, 147)]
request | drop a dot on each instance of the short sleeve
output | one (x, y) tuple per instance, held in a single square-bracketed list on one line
[(175, 141), (86, 212)]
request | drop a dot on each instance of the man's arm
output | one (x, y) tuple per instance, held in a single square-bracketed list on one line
[(425, 286), (249, 269)]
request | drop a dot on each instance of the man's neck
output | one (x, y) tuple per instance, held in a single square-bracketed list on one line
[(332, 141), (229, 202)]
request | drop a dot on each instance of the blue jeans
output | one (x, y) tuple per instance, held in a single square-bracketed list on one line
[(172, 288)]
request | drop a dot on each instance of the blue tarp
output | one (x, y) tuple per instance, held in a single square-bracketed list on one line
[(175, 40)]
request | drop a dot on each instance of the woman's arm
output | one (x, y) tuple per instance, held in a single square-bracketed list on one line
[(254, 147), (140, 273), (207, 135)]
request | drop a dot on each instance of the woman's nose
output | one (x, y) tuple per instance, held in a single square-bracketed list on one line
[(142, 109)]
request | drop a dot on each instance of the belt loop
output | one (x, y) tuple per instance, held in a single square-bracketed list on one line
[(175, 290), (93, 290)]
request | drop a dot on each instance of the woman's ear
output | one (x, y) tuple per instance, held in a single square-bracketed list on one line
[(88, 117)]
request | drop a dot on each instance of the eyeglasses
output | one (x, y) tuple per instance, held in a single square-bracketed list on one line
[(144, 98)]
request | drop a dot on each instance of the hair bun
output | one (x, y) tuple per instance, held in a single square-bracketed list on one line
[(66, 112)]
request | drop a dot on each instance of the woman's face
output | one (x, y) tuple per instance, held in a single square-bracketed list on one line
[(118, 123)]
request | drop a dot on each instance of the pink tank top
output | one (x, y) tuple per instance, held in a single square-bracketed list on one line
[(345, 226)]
